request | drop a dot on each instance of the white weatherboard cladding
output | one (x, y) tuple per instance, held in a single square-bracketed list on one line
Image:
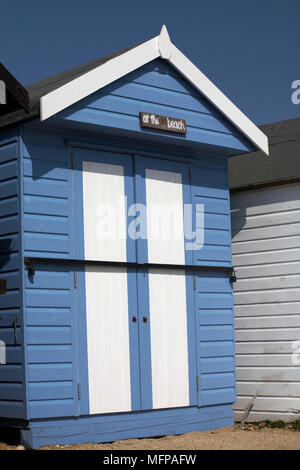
[(169, 349), (266, 256), (108, 339), (104, 211), (165, 228)]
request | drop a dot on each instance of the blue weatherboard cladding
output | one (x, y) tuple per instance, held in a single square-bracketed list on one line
[(12, 374), (46, 214)]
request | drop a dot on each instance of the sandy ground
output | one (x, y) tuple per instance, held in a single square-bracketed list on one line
[(227, 438)]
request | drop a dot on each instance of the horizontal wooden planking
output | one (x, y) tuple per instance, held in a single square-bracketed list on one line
[(266, 200), (8, 152), (46, 146), (265, 296), (264, 347), (269, 389), (9, 262), (47, 298), (266, 257), (12, 409), (46, 205), (213, 282), (267, 270), (14, 391), (50, 390), (216, 333), (49, 335), (12, 279), (277, 219), (217, 364), (49, 277), (271, 308), (219, 380), (9, 188), (50, 224), (124, 121), (8, 170), (258, 246), (270, 374), (214, 300), (278, 321), (51, 408), (270, 404), (215, 221), (216, 348), (132, 106), (216, 397), (46, 187), (265, 360), (268, 334), (11, 299), (9, 225), (10, 337), (9, 243), (215, 317), (216, 237), (50, 372), (13, 353), (272, 282), (45, 242), (9, 206), (254, 234), (212, 204), (11, 373), (213, 253), (43, 353), (45, 316), (38, 169)]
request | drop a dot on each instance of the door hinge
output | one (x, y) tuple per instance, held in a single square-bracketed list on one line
[(194, 281), (72, 160), (78, 390), (197, 382), (190, 175), (75, 280)]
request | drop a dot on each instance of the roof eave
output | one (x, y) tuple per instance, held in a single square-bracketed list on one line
[(160, 46)]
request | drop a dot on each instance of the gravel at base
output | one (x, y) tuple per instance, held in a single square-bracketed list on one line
[(227, 438)]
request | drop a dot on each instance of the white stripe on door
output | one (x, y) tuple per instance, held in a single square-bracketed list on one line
[(108, 339), (169, 348), (104, 208), (164, 217)]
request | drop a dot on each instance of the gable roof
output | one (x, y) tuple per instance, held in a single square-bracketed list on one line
[(56, 93), (253, 170)]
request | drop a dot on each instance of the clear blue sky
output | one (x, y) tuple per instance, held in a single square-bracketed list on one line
[(248, 48)]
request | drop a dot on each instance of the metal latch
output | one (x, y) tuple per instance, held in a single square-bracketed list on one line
[(232, 276)]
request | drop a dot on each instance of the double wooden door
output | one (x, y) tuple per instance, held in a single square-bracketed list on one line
[(136, 320)]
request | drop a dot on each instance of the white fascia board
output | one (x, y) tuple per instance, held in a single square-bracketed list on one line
[(103, 75), (2, 92), (218, 99)]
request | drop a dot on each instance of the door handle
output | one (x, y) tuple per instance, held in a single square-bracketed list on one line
[(145, 319), (134, 319)]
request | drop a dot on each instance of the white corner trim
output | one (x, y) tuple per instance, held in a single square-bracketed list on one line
[(164, 43), (2, 92), (218, 99), (103, 75), (159, 46)]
